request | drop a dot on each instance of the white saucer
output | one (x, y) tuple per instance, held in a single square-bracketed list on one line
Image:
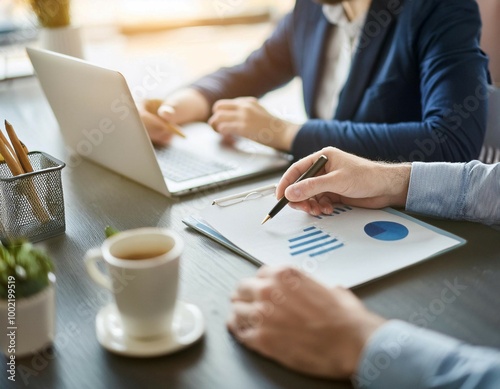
[(187, 327)]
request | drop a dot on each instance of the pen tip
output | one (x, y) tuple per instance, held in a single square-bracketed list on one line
[(266, 219)]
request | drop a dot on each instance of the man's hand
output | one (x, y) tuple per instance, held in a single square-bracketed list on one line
[(183, 106), (286, 316), (245, 117), (346, 179)]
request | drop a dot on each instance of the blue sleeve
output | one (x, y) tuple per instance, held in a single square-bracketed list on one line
[(400, 355), (461, 191), (453, 86), (267, 68)]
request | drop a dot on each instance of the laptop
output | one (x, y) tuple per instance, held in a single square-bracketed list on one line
[(100, 122)]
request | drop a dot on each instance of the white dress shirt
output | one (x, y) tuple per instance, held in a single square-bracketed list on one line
[(340, 48)]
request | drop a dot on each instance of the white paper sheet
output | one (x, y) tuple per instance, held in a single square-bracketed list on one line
[(348, 248)]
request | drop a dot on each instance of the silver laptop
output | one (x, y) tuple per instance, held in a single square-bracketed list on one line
[(100, 122)]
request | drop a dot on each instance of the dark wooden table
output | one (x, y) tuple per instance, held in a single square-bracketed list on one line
[(95, 197)]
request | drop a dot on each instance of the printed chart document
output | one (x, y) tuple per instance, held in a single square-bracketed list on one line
[(349, 247)]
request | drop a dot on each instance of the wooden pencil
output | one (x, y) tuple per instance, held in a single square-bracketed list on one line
[(16, 168), (10, 159), (21, 154), (7, 144)]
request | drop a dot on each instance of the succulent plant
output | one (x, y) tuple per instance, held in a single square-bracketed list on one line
[(31, 267), (110, 231)]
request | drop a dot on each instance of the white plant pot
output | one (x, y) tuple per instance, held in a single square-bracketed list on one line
[(34, 326), (65, 40)]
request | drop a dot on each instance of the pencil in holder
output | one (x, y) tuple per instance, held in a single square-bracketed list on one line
[(32, 204)]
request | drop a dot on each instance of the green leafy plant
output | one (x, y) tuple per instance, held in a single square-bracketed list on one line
[(110, 231), (31, 268)]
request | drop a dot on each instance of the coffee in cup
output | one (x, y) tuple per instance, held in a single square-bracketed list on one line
[(143, 275)]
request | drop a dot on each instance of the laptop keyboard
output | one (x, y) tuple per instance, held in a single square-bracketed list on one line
[(181, 165)]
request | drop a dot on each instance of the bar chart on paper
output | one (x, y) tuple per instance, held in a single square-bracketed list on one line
[(313, 242), (348, 247)]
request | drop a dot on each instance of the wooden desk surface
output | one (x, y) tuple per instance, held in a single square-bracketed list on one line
[(95, 197)]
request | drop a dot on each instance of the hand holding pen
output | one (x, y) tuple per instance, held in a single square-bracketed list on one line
[(183, 106), (311, 172), (345, 179), (152, 106)]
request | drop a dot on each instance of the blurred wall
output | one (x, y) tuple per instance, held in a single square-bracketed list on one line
[(490, 39)]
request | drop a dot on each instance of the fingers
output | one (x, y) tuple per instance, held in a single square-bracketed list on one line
[(160, 108), (166, 112), (325, 205), (226, 122), (246, 290), (295, 171), (225, 105), (180, 107), (309, 206), (310, 187), (230, 116), (157, 129), (232, 104), (261, 287), (241, 325)]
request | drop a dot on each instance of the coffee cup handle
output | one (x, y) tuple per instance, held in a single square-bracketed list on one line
[(91, 258)]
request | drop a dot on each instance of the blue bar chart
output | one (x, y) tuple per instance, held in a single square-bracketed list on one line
[(313, 241), (339, 210)]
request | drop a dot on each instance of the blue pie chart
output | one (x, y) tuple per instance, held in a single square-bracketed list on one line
[(386, 231)]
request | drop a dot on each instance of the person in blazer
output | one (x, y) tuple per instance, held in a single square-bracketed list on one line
[(415, 87)]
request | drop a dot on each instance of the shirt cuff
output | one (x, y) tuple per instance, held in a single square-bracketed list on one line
[(400, 355), (309, 139), (437, 189)]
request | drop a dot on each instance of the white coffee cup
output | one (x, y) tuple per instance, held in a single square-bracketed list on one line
[(143, 274)]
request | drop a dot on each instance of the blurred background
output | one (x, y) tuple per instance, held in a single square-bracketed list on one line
[(177, 41), (132, 21)]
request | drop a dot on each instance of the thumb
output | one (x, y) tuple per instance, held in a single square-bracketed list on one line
[(307, 188), (166, 112)]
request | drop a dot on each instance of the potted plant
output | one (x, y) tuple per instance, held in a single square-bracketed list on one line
[(27, 299), (57, 33)]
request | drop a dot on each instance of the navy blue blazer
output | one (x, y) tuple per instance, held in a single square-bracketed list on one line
[(417, 88)]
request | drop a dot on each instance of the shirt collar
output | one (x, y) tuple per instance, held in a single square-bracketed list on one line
[(335, 15)]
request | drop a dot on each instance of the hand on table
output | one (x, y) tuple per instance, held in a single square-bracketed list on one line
[(245, 117), (346, 179), (287, 316)]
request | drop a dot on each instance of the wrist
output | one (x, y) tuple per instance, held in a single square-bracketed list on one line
[(397, 182), (191, 103), (284, 135), (202, 111), (367, 325)]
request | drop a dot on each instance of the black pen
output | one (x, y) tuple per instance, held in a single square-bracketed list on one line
[(311, 172)]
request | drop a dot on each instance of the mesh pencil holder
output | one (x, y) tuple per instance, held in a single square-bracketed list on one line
[(32, 204)]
